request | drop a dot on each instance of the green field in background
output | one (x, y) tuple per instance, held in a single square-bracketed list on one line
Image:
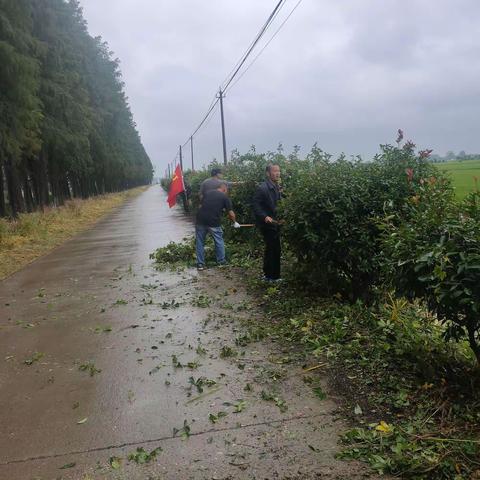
[(462, 175)]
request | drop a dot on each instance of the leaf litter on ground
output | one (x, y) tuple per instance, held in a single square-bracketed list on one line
[(271, 397), (201, 382), (215, 418), (318, 391), (227, 351), (140, 456), (100, 329), (34, 358), (184, 432), (115, 462), (239, 406), (176, 363), (120, 301), (167, 305), (90, 368)]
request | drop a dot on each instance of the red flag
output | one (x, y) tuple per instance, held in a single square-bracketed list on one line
[(176, 186)]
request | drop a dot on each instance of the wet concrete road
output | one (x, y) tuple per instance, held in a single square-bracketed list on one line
[(101, 355)]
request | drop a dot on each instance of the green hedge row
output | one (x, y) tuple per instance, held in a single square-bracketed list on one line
[(354, 228)]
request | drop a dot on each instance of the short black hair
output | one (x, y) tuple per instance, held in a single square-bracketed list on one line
[(269, 167), (216, 171)]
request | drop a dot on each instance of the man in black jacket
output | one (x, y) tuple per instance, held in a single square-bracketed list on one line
[(265, 203)]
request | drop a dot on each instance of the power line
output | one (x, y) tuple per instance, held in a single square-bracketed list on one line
[(267, 44), (214, 104), (239, 65), (174, 161), (269, 21), (209, 111), (208, 120), (255, 42), (227, 83)]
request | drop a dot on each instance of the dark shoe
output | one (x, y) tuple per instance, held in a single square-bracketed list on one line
[(200, 267), (272, 280)]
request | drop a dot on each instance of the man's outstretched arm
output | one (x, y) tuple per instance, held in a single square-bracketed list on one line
[(231, 216)]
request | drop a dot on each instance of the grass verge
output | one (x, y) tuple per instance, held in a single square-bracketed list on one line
[(411, 398), (35, 234)]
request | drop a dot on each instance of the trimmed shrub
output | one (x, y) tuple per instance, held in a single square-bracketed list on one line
[(434, 252), (332, 211)]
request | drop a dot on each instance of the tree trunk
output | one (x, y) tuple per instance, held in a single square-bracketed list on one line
[(76, 187), (39, 180), (27, 193), (59, 191), (56, 192), (36, 186), (44, 196), (3, 209), (14, 190), (66, 189)]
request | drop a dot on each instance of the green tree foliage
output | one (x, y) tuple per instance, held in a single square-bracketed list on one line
[(20, 113), (66, 129)]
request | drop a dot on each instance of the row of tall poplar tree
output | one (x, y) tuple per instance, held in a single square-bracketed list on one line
[(66, 129)]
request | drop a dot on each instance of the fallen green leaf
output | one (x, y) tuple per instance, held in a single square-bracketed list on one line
[(215, 418), (140, 456), (89, 367), (34, 358), (115, 462), (184, 432), (319, 393), (239, 406)]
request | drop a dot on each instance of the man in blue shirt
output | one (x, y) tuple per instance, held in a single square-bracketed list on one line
[(214, 182)]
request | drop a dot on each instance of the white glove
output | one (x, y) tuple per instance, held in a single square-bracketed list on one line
[(236, 225)]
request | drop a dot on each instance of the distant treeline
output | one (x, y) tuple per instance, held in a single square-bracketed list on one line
[(66, 129), (452, 157)]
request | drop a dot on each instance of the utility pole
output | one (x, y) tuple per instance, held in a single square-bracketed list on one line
[(220, 96), (184, 193), (191, 149), (169, 171)]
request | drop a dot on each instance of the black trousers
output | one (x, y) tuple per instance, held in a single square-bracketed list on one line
[(271, 259)]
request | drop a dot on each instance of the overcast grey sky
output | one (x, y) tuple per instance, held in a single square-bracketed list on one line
[(346, 74)]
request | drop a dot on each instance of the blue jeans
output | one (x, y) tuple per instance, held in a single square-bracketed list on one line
[(217, 235)]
